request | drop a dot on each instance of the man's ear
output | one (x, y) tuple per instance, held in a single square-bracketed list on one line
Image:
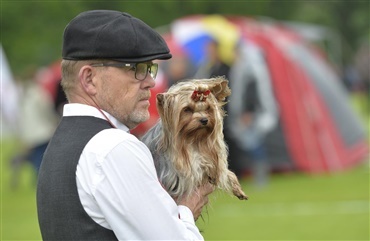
[(85, 77)]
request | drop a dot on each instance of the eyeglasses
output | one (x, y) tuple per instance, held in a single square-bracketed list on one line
[(141, 69)]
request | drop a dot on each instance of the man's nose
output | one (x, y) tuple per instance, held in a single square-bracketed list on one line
[(149, 82)]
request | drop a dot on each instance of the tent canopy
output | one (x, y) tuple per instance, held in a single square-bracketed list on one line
[(318, 130)]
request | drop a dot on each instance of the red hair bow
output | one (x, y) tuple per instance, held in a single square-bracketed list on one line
[(200, 95)]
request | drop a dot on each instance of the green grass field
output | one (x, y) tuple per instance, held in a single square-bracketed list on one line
[(293, 206)]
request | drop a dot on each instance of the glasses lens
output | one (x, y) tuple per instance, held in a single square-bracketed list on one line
[(141, 71), (154, 70)]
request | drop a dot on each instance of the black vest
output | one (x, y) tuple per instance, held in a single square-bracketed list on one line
[(60, 212)]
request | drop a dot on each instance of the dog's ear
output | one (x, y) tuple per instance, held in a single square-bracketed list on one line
[(160, 99), (219, 88), (160, 103)]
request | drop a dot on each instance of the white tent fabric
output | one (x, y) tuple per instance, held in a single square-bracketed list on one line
[(9, 98)]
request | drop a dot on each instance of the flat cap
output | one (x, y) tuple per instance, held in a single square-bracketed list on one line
[(108, 34)]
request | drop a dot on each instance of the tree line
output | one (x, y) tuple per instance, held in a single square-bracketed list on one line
[(31, 31)]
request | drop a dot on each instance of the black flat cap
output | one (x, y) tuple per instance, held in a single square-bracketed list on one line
[(107, 34)]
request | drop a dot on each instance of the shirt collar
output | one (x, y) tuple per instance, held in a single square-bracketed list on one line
[(77, 109)]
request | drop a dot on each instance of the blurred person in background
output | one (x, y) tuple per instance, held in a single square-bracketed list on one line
[(37, 122), (361, 65), (178, 68), (50, 78), (213, 66), (97, 181), (252, 110)]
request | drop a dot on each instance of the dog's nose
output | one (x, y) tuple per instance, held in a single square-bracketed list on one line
[(204, 121)]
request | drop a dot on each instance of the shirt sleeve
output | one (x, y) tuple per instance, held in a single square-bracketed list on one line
[(134, 203)]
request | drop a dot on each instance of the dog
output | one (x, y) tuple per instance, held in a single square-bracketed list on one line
[(187, 143)]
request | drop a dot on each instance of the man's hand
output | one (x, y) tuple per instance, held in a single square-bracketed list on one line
[(198, 199)]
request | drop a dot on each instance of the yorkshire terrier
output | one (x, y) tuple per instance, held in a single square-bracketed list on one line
[(187, 143)]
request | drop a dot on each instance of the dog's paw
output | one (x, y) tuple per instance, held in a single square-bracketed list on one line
[(242, 196)]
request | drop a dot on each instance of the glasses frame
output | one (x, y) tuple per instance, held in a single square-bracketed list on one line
[(133, 66)]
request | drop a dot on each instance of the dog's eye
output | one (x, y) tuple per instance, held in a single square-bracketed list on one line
[(188, 110)]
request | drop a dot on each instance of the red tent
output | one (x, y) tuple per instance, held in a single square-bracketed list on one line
[(318, 131)]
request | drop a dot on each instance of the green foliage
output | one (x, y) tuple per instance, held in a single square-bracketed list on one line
[(31, 31)]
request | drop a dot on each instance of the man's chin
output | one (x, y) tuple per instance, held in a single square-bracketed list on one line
[(140, 117)]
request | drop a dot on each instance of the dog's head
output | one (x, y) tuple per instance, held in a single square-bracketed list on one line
[(193, 108)]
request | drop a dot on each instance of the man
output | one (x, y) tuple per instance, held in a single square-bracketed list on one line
[(252, 112), (97, 181), (215, 66)]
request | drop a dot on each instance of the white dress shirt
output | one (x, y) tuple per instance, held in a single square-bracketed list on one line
[(119, 189)]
